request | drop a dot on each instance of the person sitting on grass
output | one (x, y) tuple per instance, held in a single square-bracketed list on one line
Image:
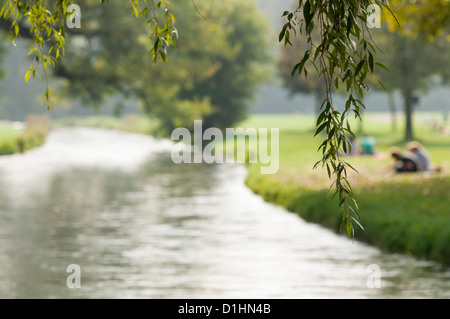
[(417, 149), (368, 145), (421, 153), (405, 162)]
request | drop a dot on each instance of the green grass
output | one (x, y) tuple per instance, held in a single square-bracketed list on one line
[(299, 128), (8, 136), (407, 214)]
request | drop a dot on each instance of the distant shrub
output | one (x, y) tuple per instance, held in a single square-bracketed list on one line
[(35, 133)]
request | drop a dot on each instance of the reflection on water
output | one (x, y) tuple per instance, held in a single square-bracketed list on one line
[(142, 227)]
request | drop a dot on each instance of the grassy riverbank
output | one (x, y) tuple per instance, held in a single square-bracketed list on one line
[(20, 138), (407, 214)]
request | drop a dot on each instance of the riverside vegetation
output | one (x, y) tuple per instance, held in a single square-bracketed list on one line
[(21, 139)]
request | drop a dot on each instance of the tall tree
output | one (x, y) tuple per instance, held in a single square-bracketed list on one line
[(416, 57), (214, 72), (239, 74)]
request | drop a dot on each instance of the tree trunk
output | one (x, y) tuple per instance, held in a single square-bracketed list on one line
[(408, 74), (392, 110), (409, 106)]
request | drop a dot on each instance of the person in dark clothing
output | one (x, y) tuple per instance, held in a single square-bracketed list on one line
[(421, 153), (424, 157), (405, 162)]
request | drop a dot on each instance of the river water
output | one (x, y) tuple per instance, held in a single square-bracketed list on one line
[(139, 226)]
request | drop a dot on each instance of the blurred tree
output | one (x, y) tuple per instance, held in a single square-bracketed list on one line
[(416, 55), (240, 73), (413, 66), (426, 19), (214, 73)]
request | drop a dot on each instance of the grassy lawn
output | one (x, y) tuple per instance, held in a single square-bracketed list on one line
[(8, 136), (401, 213), (8, 132), (13, 140)]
